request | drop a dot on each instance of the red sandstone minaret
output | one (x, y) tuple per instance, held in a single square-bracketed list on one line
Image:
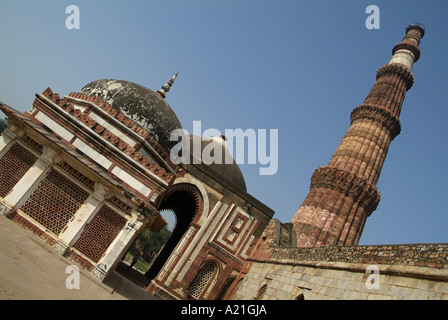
[(343, 193)]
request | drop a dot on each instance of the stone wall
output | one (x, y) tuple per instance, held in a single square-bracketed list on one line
[(417, 271), (424, 255), (279, 234)]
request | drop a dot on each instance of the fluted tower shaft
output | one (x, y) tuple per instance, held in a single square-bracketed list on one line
[(344, 193)]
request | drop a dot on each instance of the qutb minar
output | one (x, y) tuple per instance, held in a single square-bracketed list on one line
[(344, 193)]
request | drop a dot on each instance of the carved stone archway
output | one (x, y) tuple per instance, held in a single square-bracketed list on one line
[(186, 202)]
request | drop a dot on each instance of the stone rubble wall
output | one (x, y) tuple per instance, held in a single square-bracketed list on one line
[(402, 272), (423, 255)]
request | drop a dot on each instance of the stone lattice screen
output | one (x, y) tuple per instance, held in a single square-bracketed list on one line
[(100, 233), (13, 165), (202, 280), (55, 201)]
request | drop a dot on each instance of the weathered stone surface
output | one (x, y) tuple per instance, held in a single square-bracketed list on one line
[(417, 272), (140, 104)]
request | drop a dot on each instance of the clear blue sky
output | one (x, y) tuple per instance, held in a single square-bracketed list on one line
[(297, 66)]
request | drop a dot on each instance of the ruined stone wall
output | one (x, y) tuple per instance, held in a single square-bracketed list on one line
[(417, 271), (277, 234)]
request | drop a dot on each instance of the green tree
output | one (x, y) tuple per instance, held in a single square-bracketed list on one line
[(3, 124), (149, 242)]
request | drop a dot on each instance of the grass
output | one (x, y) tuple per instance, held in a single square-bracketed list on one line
[(140, 265)]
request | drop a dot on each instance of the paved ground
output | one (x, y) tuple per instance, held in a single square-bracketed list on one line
[(30, 270)]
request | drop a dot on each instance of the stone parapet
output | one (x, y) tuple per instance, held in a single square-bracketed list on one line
[(421, 255), (391, 272)]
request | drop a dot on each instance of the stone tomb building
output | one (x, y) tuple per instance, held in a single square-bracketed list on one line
[(90, 171)]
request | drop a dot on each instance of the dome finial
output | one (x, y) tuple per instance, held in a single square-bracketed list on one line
[(166, 87)]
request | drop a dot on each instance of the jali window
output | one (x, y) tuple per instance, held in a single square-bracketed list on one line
[(202, 279), (13, 166), (100, 233), (55, 201)]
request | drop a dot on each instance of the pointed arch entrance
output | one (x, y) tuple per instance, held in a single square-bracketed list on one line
[(186, 202)]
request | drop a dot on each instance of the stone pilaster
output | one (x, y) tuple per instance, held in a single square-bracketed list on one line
[(115, 251), (8, 135)]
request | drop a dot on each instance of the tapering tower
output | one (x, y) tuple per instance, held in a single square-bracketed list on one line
[(344, 193)]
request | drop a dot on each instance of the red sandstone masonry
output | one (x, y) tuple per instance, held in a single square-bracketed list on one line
[(83, 262), (24, 223), (343, 193)]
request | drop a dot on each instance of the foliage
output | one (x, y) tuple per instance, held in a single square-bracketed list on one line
[(3, 124), (149, 242)]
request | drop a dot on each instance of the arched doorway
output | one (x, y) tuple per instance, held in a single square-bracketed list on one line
[(185, 201), (225, 289), (300, 297), (261, 292)]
